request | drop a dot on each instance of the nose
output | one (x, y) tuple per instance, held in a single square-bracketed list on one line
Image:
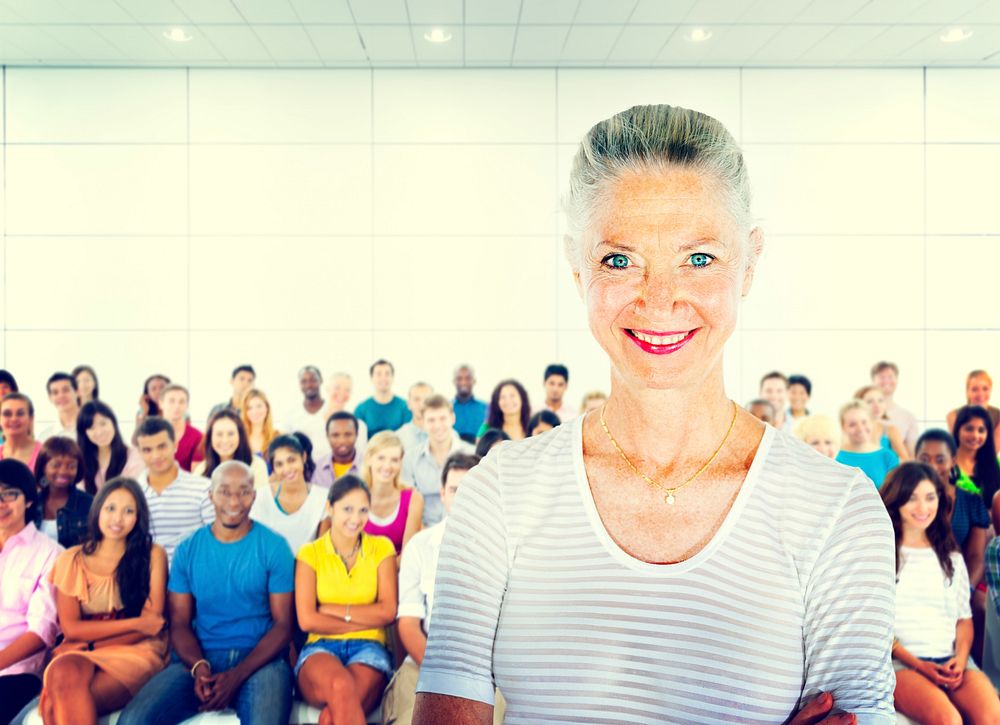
[(660, 293)]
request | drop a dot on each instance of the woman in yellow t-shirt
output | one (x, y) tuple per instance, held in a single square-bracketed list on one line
[(345, 595)]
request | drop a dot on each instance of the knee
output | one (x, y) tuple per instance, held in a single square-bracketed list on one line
[(944, 715), (340, 687), (66, 674)]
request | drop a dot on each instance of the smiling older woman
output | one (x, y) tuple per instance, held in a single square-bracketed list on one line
[(667, 558)]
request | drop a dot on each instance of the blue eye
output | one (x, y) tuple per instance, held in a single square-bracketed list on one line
[(700, 259), (616, 261)]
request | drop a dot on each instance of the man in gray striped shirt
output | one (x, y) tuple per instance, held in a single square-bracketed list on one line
[(178, 501)]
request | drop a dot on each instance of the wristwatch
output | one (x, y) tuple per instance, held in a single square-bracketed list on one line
[(347, 614)]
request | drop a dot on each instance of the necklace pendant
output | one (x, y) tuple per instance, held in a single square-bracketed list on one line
[(670, 499)]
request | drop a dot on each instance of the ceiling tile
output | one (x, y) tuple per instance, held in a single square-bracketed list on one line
[(939, 11), (483, 12), (591, 43), (388, 43), (540, 44), (33, 44), (236, 43), (886, 12), (892, 43), (737, 43), (988, 12), (842, 42), (717, 11), (153, 11), (789, 43), (210, 11), (435, 12), (640, 44), (85, 43), (337, 43), (136, 42), (429, 53), (548, 12), (774, 12), (825, 11), (323, 11), (604, 12), (658, 11), (287, 42), (266, 11), (984, 42), (199, 49), (488, 43), (380, 11)]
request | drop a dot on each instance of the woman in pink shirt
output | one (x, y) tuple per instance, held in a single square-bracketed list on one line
[(28, 623), (17, 419)]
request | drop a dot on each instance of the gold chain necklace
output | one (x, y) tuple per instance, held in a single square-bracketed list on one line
[(669, 498)]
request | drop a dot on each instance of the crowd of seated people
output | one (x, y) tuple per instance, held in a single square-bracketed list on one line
[(308, 545)]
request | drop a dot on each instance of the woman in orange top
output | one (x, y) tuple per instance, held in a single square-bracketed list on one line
[(109, 595)]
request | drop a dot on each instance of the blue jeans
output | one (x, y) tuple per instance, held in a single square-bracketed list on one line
[(265, 698), (350, 652)]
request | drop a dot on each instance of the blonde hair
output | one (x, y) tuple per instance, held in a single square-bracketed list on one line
[(267, 427), (813, 426), (651, 138), (379, 442), (860, 394), (979, 374), (592, 395), (854, 405)]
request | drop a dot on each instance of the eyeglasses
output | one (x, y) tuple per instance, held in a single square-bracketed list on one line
[(9, 495)]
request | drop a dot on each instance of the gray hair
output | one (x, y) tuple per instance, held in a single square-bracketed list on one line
[(311, 369), (464, 366), (223, 468), (645, 138)]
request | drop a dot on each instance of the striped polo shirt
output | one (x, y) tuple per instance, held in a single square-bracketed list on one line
[(793, 595), (183, 507)]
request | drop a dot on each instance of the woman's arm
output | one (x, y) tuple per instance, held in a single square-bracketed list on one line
[(975, 549), (414, 519), (329, 618), (897, 443)]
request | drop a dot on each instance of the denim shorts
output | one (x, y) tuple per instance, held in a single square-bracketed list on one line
[(350, 652)]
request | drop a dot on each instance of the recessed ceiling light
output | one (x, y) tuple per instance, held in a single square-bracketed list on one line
[(437, 35), (178, 35), (698, 35), (956, 35)]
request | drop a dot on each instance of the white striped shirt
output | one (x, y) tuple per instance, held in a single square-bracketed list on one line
[(793, 595), (183, 507)]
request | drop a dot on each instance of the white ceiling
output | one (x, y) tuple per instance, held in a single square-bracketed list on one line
[(497, 33)]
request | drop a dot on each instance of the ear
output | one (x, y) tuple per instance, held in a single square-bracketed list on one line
[(756, 247)]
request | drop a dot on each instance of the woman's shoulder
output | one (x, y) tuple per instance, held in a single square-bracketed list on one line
[(377, 545)]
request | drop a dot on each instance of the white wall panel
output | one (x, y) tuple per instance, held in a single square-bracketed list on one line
[(961, 285), (280, 106), (794, 106), (837, 189), (97, 283), (100, 189), (950, 358), (253, 189), (465, 106), (963, 104), (961, 189), (77, 105), (469, 190)]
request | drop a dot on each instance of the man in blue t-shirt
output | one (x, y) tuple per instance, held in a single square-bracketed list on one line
[(469, 412), (230, 590), (383, 411)]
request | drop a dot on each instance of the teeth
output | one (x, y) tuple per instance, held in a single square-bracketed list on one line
[(657, 340)]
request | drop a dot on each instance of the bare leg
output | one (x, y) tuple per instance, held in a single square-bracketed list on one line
[(921, 700), (325, 683), (369, 683), (977, 700), (67, 692)]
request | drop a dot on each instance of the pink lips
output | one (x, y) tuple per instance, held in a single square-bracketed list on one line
[(660, 349)]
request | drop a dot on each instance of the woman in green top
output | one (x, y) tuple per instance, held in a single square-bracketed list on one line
[(977, 454)]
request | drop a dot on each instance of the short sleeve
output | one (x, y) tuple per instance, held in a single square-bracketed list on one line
[(411, 599), (281, 576), (179, 580), (68, 576), (308, 555), (472, 574), (960, 585), (849, 602), (382, 549), (978, 515)]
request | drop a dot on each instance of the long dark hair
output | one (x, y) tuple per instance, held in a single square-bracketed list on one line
[(154, 407), (987, 472), (896, 491), (242, 452), (119, 451), (494, 418), (132, 572), (87, 369)]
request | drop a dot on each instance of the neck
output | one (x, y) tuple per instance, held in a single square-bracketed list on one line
[(67, 418), (463, 397), (553, 405), (382, 488), (22, 440), (111, 547), (914, 537), (162, 480), (227, 534), (342, 544), (235, 401), (443, 446), (57, 494), (383, 397), (293, 486), (512, 418), (699, 417), (349, 458), (9, 532), (864, 447), (180, 424)]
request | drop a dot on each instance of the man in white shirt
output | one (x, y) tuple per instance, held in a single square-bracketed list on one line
[(423, 465), (414, 433), (61, 388), (309, 416), (416, 598), (178, 501), (774, 389), (556, 381), (885, 375)]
